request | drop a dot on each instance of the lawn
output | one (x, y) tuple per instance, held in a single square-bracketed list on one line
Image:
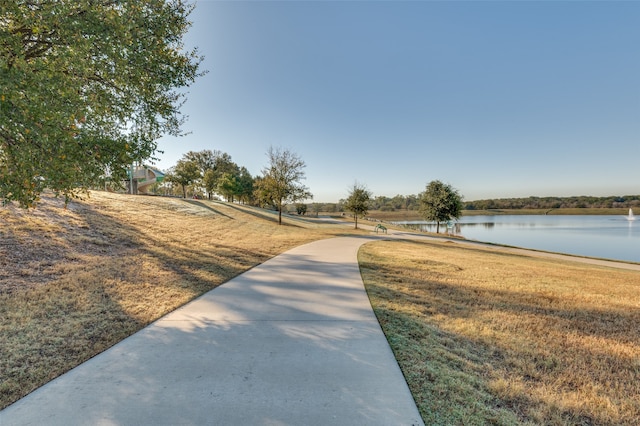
[(483, 336), (488, 337), (76, 280)]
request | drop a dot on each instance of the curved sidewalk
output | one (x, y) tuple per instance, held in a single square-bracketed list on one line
[(293, 341)]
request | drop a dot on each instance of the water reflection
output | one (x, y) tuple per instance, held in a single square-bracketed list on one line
[(612, 237), (487, 225)]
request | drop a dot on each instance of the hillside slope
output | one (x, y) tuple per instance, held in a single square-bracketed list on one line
[(76, 280)]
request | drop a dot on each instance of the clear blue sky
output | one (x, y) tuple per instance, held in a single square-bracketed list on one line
[(498, 98)]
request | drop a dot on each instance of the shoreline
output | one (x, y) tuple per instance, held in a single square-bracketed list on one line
[(399, 215), (612, 263)]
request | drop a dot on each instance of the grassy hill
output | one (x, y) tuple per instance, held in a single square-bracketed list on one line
[(483, 335), (76, 280)]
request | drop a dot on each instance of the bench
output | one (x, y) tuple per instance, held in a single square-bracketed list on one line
[(381, 228)]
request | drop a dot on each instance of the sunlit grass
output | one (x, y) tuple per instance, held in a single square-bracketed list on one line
[(76, 280), (483, 336), (488, 337)]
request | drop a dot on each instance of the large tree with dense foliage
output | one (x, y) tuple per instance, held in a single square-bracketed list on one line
[(358, 201), (184, 173), (229, 186), (214, 165), (440, 202), (281, 183), (246, 185), (86, 88), (205, 160)]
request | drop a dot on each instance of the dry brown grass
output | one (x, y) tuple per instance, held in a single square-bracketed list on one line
[(491, 337), (483, 336), (76, 280)]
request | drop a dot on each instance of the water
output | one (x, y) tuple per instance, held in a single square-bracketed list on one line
[(609, 237)]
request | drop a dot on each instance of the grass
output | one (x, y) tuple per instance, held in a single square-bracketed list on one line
[(74, 281), (483, 336), (487, 337)]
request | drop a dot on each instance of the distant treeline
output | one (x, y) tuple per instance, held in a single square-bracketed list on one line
[(382, 203), (627, 201), (410, 202)]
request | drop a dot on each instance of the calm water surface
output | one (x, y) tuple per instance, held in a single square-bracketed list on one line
[(610, 237)]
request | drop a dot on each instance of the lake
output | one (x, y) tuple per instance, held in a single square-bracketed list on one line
[(609, 237)]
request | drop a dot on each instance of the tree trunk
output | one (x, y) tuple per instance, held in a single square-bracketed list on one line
[(355, 215), (280, 214)]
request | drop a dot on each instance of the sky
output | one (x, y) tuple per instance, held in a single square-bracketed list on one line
[(499, 99)]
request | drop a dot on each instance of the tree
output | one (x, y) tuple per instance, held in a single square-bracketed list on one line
[(184, 173), (246, 183), (281, 182), (358, 201), (86, 88), (301, 209), (261, 193), (210, 182), (229, 186), (205, 159), (213, 164), (440, 202)]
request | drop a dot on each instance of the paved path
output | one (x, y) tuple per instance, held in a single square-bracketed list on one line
[(293, 341)]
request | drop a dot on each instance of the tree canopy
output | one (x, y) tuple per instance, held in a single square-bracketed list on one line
[(184, 173), (281, 182), (440, 202), (213, 165), (86, 88), (213, 172), (358, 201)]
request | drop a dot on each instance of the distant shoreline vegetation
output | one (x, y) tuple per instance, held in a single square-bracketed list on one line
[(580, 202), (414, 215), (407, 205)]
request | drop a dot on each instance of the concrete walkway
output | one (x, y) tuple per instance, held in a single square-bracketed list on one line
[(293, 341)]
